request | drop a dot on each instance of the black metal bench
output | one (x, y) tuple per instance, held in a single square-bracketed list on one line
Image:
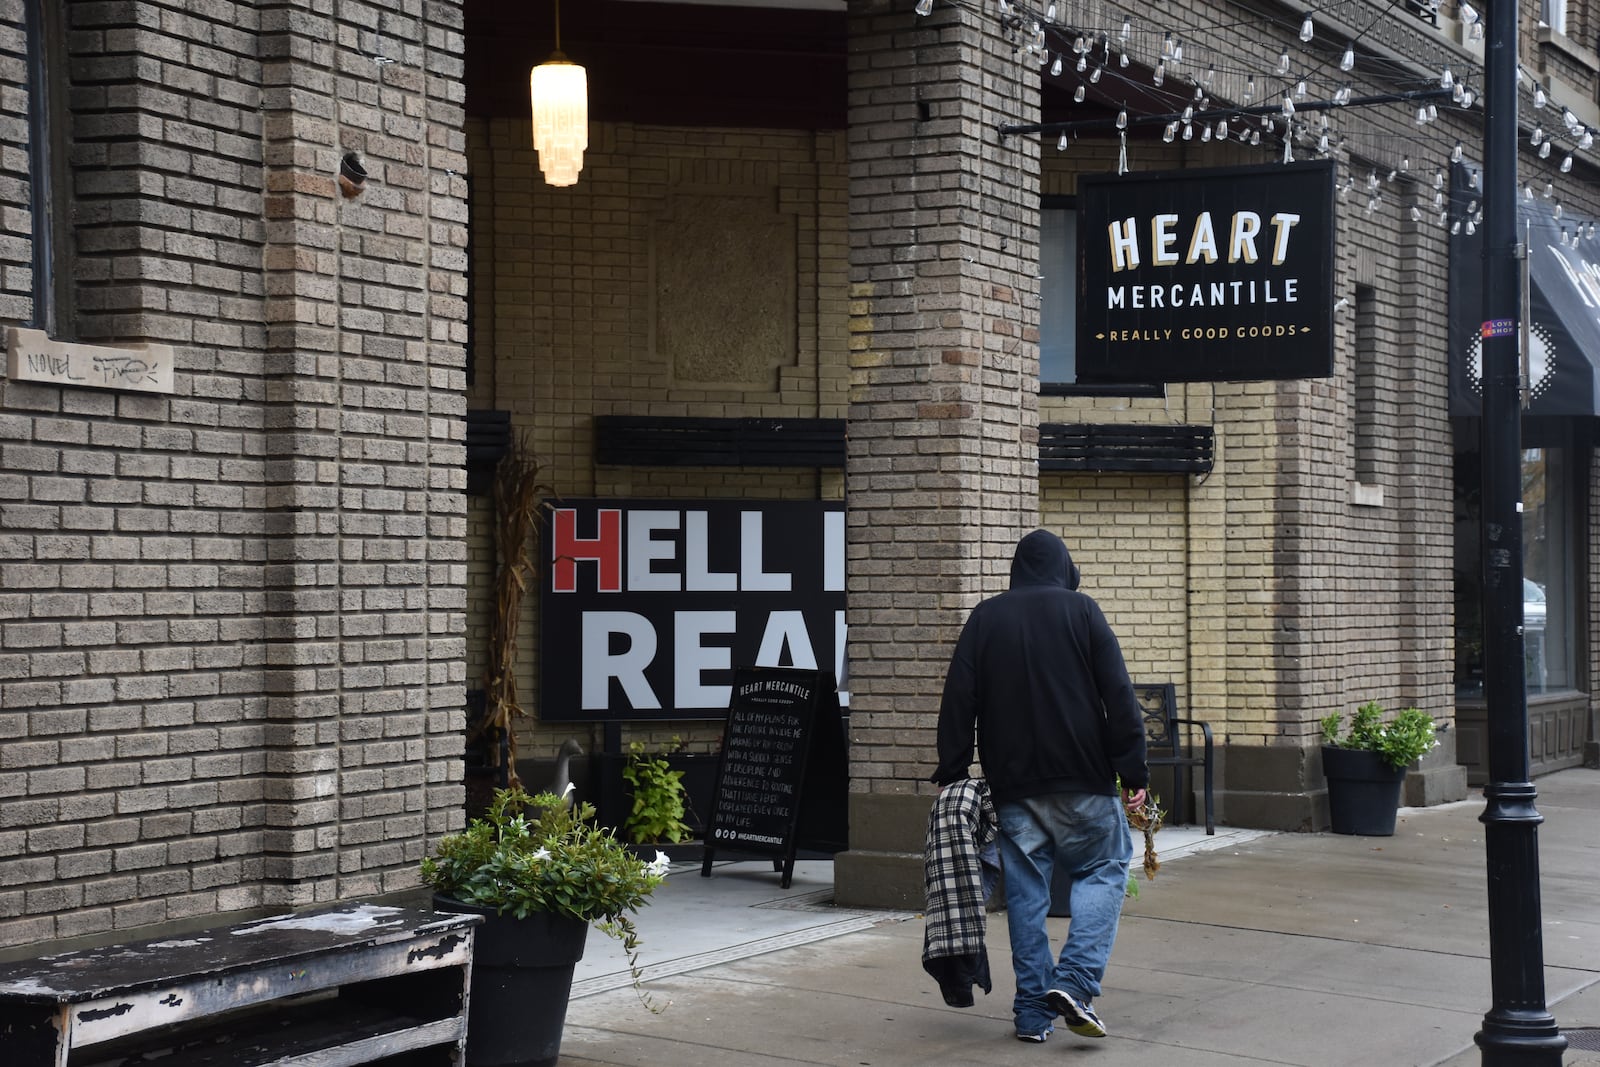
[(345, 985), (1169, 741)]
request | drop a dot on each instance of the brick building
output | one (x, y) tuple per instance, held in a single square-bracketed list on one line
[(247, 570)]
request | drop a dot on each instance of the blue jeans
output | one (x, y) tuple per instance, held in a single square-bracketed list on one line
[(1087, 835)]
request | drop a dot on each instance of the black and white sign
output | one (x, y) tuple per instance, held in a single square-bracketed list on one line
[(1206, 275), (648, 604)]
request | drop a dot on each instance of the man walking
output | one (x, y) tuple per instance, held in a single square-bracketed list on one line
[(1039, 673)]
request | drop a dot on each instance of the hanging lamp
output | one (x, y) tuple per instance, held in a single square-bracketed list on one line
[(560, 91)]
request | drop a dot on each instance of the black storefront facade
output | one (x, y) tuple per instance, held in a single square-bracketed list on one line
[(1561, 416)]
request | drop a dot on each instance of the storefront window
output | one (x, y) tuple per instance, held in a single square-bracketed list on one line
[(1549, 583), (1058, 296)]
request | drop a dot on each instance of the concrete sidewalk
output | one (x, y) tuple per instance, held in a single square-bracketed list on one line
[(1311, 949)]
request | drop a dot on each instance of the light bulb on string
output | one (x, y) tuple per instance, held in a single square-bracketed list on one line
[(1539, 97), (1283, 63), (1288, 106), (1468, 98), (1433, 112), (1177, 52), (1094, 75), (1055, 67), (1050, 13), (1249, 89), (1455, 227), (1472, 227), (1422, 116), (1322, 144), (1416, 213), (1222, 129), (1078, 95), (1476, 33), (1168, 44), (1300, 89), (1549, 190), (1557, 210), (1188, 131), (1255, 137), (1122, 119), (1405, 164), (1586, 142), (924, 7), (1341, 96), (1205, 134), (1210, 76), (1447, 79), (1536, 136), (1544, 150), (1566, 165), (1468, 14), (1061, 145), (1348, 60), (1569, 118), (1527, 191), (1393, 174), (1127, 28), (1458, 92), (1122, 59), (1160, 74), (1307, 29), (1083, 64), (1458, 153), (1438, 179), (1187, 116), (1170, 133)]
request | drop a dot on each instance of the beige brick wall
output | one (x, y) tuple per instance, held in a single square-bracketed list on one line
[(231, 653)]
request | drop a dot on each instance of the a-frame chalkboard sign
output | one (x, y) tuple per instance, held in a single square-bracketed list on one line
[(782, 779)]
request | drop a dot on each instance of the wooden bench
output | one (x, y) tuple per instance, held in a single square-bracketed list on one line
[(352, 984), (1170, 742)]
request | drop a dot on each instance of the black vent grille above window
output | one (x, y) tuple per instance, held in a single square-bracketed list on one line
[(1157, 449), (666, 441)]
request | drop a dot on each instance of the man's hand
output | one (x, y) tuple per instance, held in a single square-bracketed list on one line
[(1133, 800)]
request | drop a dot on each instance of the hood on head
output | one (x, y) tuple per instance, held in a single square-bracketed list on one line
[(1042, 559)]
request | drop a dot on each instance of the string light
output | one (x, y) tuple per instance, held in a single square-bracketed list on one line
[(1348, 60), (924, 7), (1307, 30)]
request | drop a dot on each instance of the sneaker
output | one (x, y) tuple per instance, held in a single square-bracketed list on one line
[(1080, 1018), (1036, 1038)]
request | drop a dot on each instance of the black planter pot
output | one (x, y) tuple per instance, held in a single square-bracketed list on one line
[(1363, 791), (521, 979)]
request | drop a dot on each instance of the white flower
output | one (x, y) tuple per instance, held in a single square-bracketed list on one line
[(539, 854), (658, 866)]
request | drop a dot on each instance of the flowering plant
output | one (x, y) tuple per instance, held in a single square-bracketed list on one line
[(534, 853), (1400, 742)]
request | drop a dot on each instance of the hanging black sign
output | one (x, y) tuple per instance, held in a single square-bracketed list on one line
[(1206, 275), (781, 781)]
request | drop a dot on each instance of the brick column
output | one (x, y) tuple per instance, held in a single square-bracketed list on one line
[(365, 379), (942, 473)]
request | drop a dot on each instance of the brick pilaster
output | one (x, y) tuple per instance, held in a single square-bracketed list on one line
[(942, 475)]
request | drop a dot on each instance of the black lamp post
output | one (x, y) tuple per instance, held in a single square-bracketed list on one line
[(1518, 1029)]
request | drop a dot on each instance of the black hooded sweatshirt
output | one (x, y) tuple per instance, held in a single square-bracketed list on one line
[(1039, 672)]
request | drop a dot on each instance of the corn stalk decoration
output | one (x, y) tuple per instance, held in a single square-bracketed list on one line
[(517, 490)]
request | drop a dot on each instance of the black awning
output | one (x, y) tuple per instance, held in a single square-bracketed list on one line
[(1564, 313)]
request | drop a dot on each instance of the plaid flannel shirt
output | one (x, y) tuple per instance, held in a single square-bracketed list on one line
[(959, 868)]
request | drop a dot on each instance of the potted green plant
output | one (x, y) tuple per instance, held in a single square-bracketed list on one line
[(659, 797), (1366, 765), (540, 873)]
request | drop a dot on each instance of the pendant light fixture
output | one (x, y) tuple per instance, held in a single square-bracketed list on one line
[(560, 91)]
